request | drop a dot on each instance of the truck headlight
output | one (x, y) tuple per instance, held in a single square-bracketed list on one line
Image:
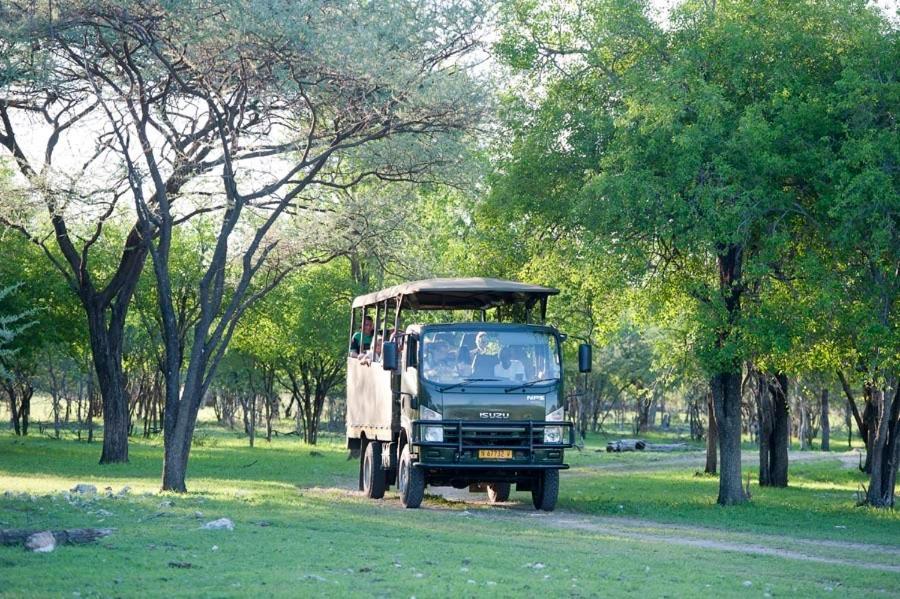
[(554, 434), (433, 434)]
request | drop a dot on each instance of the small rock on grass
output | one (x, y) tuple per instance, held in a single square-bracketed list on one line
[(221, 523), (41, 542), (84, 489)]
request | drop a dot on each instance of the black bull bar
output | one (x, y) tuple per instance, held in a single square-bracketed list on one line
[(474, 435)]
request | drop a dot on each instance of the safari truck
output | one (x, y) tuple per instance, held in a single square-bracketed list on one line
[(476, 401)]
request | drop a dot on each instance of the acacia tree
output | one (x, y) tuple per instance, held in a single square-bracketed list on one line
[(694, 152), (251, 114), (43, 106)]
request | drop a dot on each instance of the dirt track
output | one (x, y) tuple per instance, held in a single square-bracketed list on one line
[(446, 502), (519, 509), (841, 553)]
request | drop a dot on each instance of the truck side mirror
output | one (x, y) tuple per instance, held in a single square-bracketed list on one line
[(389, 355), (584, 357)]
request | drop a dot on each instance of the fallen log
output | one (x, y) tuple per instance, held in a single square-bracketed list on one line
[(667, 447), (626, 445), (71, 536)]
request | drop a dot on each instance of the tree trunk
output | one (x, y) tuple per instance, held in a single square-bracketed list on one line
[(180, 434), (803, 428), (14, 423), (766, 415), (726, 392), (848, 420), (778, 460), (712, 437), (885, 450), (726, 382), (874, 404), (106, 350), (642, 405), (864, 421), (27, 391), (826, 426)]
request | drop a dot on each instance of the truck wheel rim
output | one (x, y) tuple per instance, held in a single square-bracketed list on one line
[(367, 473), (404, 476)]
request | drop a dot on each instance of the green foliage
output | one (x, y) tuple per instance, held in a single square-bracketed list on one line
[(757, 126), (40, 297), (305, 315), (11, 325)]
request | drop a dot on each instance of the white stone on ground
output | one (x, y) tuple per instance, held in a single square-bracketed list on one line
[(41, 542), (221, 523)]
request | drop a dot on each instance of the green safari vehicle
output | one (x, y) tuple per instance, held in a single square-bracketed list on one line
[(476, 403)]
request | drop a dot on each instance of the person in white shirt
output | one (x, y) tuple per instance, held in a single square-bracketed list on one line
[(508, 368)]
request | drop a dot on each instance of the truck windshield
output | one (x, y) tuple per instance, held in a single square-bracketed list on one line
[(491, 356)]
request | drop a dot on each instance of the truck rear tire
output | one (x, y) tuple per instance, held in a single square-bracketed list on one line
[(498, 492), (546, 490), (410, 481), (373, 473)]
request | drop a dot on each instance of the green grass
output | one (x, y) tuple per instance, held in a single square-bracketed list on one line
[(820, 501), (300, 530)]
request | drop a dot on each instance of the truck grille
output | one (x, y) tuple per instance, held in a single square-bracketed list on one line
[(493, 437)]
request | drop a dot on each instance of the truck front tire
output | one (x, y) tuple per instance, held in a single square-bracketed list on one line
[(410, 481), (373, 473), (498, 492), (545, 491)]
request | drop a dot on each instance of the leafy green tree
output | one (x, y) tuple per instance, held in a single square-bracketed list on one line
[(691, 153), (18, 391), (46, 307), (299, 334)]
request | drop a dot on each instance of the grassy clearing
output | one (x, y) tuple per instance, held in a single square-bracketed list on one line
[(299, 529), (819, 503)]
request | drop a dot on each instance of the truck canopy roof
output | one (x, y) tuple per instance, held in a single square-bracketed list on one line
[(458, 294)]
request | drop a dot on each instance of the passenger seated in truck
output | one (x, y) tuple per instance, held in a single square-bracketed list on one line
[(509, 368), (373, 355), (439, 366), (365, 337), (484, 362), (463, 363)]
